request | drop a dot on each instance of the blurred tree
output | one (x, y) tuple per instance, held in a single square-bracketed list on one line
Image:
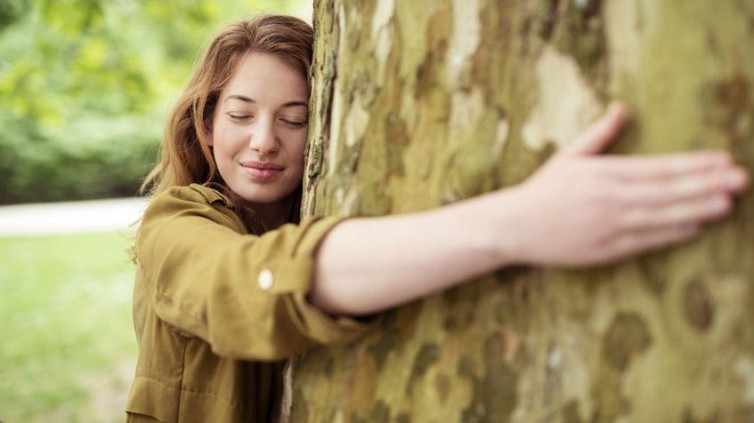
[(74, 73), (11, 10)]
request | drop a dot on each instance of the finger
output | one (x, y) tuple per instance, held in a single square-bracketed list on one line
[(742, 184), (596, 138), (684, 187), (663, 166), (638, 242), (689, 212)]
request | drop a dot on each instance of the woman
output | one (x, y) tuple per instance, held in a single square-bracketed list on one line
[(228, 286)]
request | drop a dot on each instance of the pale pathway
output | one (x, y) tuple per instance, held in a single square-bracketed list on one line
[(70, 217)]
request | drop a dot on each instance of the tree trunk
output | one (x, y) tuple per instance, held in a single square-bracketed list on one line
[(424, 103)]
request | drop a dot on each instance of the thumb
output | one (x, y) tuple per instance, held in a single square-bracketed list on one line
[(597, 137)]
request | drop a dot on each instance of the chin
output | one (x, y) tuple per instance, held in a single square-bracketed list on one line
[(264, 193)]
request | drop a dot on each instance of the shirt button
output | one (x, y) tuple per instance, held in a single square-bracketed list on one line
[(265, 280)]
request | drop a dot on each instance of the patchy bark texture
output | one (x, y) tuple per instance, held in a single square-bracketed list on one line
[(423, 103)]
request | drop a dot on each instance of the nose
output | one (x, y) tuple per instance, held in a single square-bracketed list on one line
[(263, 138)]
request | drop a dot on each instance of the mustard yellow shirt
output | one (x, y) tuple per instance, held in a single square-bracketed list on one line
[(216, 310)]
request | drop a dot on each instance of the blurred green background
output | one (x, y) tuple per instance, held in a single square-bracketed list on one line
[(85, 86)]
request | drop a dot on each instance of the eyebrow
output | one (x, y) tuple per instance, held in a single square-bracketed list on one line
[(251, 100)]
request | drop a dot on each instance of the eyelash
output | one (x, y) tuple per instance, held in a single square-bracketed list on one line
[(295, 124), (239, 117), (292, 124)]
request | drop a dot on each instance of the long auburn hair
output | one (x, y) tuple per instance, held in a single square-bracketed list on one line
[(185, 154)]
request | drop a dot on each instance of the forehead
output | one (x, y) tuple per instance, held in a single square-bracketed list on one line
[(266, 77)]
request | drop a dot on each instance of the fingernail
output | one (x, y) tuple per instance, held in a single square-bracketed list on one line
[(616, 108), (735, 179), (717, 203)]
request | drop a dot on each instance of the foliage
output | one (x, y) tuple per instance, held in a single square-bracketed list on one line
[(40, 165), (66, 319), (10, 10), (85, 86)]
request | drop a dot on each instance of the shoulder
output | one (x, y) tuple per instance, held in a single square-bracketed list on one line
[(193, 193), (194, 196), (183, 207)]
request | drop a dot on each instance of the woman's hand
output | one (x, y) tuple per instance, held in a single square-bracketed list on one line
[(582, 209)]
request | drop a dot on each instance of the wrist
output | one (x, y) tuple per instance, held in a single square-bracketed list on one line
[(494, 227), (511, 224)]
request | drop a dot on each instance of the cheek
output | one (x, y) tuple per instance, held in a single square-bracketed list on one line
[(297, 147), (301, 151), (225, 138), (300, 154)]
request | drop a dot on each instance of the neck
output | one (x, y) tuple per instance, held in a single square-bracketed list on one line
[(273, 215)]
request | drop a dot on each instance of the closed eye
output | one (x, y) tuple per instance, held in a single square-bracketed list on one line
[(294, 123), (240, 116)]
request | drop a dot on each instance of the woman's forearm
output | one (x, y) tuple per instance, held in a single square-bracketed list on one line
[(366, 265)]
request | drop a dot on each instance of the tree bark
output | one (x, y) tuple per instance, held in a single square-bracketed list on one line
[(423, 103)]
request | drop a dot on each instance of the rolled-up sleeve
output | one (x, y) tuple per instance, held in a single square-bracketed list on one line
[(244, 294)]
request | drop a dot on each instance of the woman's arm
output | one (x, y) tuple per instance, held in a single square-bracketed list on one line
[(579, 209)]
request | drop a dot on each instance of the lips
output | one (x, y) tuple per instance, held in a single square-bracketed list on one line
[(261, 171)]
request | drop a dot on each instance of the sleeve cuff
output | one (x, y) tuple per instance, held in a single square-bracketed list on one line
[(320, 326)]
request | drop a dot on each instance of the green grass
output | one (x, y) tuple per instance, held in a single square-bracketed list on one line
[(66, 336)]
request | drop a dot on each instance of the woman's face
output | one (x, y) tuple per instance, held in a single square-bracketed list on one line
[(259, 130)]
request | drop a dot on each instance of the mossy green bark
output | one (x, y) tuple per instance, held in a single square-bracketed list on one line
[(424, 103)]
